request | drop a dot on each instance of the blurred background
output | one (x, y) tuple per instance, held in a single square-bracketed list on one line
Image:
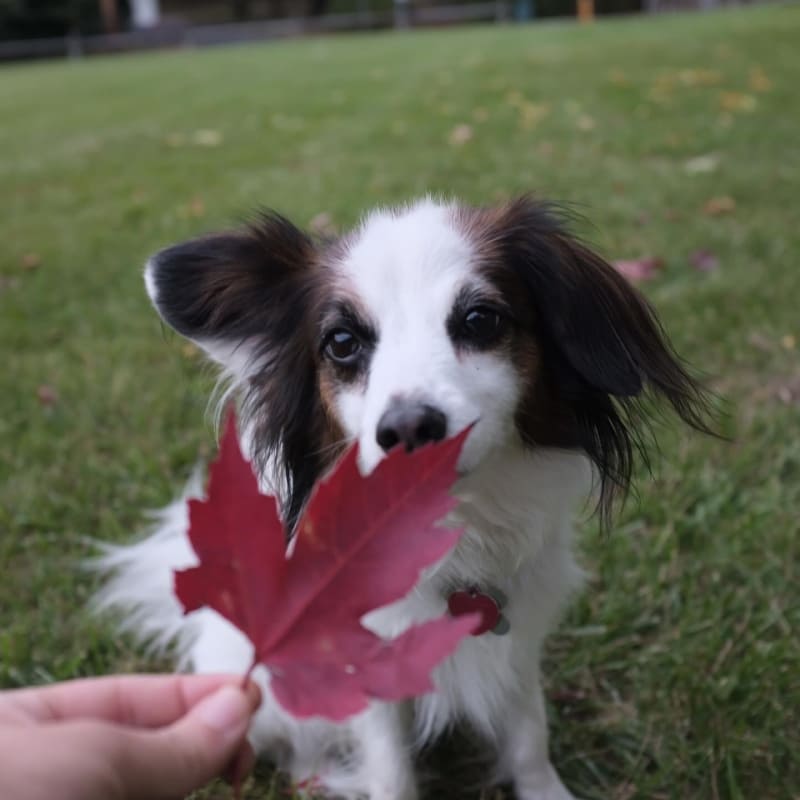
[(676, 674), (47, 28)]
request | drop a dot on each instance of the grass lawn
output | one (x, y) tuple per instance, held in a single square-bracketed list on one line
[(677, 673)]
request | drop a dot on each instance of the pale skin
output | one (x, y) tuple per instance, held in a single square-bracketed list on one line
[(143, 737)]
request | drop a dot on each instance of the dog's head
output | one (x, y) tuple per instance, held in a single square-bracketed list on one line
[(421, 321)]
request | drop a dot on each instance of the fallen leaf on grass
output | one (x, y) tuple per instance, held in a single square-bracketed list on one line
[(639, 269), (514, 97), (716, 206), (46, 395), (175, 139), (460, 135), (360, 545), (322, 224), (531, 114), (737, 101), (760, 342), (190, 351), (618, 77), (759, 80), (31, 261), (195, 208), (789, 393), (785, 389), (699, 77), (701, 164), (788, 342), (704, 260), (206, 137)]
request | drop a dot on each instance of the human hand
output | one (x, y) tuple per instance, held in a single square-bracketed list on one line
[(123, 738)]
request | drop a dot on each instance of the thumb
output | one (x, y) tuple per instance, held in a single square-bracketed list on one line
[(173, 761)]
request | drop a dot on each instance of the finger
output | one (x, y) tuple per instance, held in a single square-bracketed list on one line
[(149, 701), (173, 761)]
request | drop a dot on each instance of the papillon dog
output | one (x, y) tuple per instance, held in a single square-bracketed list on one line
[(420, 321)]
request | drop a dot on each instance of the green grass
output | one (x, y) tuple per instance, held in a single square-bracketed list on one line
[(677, 673)]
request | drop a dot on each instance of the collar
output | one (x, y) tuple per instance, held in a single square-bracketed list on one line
[(488, 602)]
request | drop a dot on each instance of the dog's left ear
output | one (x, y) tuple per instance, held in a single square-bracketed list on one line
[(606, 331), (602, 343)]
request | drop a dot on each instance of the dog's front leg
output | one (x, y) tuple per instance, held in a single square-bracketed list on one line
[(524, 750), (382, 735)]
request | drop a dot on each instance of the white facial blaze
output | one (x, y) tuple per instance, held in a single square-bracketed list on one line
[(406, 270)]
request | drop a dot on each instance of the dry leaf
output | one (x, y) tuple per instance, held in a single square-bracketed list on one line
[(699, 77), (701, 164), (46, 395), (737, 101), (175, 139), (206, 137), (31, 261), (704, 260), (531, 114), (194, 209), (717, 206), (788, 342), (618, 77), (190, 351), (586, 123), (460, 135), (639, 269), (322, 224), (760, 342), (759, 80), (197, 208)]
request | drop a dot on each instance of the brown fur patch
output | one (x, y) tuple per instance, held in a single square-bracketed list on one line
[(589, 345), (539, 417)]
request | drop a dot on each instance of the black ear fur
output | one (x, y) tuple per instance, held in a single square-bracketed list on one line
[(256, 288), (603, 341), (232, 285)]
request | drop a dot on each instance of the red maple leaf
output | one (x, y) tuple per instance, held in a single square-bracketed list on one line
[(361, 544)]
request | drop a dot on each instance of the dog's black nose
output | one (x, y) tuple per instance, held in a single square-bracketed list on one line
[(411, 424)]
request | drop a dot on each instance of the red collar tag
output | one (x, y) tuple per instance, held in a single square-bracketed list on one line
[(473, 601)]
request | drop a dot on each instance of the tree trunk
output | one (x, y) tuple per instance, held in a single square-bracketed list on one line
[(241, 9), (110, 15)]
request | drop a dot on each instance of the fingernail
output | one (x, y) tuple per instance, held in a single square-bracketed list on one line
[(254, 695), (226, 710)]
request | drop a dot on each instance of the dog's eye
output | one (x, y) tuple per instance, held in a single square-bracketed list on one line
[(483, 325), (342, 346)]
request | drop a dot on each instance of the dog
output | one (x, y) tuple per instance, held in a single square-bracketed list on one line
[(419, 322)]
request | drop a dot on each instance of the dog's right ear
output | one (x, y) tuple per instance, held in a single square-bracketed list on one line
[(247, 298), (234, 293)]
